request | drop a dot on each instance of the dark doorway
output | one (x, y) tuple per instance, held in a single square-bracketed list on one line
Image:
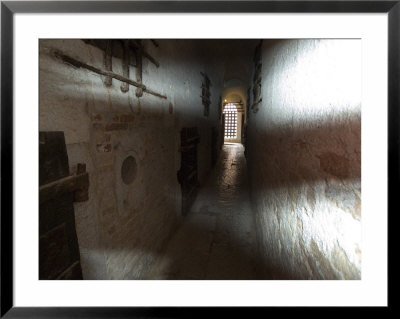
[(58, 244), (187, 175)]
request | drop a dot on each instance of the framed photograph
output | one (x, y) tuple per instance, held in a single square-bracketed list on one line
[(194, 158)]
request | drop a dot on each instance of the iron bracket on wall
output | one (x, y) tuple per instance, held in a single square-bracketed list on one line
[(257, 78), (78, 64), (205, 93), (128, 45)]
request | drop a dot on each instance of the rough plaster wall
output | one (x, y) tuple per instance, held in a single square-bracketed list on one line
[(182, 80), (305, 159), (122, 227)]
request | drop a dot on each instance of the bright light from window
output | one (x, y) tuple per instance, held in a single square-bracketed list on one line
[(230, 112)]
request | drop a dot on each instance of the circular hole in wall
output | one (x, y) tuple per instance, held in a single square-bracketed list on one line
[(128, 170)]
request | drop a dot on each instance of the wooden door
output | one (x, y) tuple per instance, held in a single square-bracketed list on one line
[(187, 175), (214, 145), (58, 244), (223, 131)]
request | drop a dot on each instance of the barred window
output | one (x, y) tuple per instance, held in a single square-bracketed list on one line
[(230, 112)]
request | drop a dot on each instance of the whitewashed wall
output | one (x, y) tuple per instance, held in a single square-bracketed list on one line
[(305, 159)]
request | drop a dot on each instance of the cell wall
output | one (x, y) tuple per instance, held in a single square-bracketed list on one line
[(304, 157), (122, 227)]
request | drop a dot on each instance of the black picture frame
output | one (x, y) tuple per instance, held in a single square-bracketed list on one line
[(9, 8)]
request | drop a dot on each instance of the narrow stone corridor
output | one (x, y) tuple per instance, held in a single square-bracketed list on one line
[(130, 135), (217, 238)]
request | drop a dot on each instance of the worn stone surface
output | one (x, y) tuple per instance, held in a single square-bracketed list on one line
[(304, 155), (217, 239)]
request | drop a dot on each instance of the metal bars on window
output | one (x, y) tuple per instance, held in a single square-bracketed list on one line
[(230, 112)]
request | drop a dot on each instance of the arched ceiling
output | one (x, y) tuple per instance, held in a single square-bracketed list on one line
[(236, 55), (236, 58), (235, 94)]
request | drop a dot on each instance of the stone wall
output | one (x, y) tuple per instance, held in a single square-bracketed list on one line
[(304, 156), (132, 209)]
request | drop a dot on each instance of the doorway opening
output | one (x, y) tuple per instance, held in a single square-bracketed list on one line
[(187, 175), (231, 122)]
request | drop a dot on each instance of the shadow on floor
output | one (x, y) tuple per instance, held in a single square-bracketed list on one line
[(217, 240)]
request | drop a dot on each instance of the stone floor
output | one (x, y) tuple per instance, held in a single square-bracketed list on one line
[(217, 237)]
